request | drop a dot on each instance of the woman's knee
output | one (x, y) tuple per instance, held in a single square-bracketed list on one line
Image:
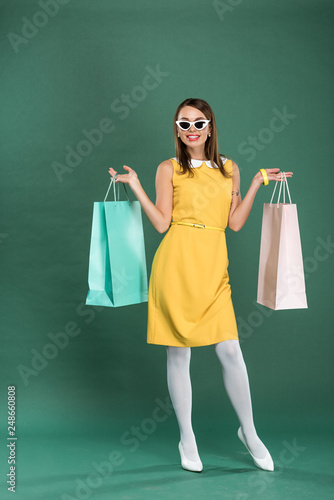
[(229, 350), (178, 355)]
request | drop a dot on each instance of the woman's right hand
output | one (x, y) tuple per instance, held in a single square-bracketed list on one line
[(130, 178)]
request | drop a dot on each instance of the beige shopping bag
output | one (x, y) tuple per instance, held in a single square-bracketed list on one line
[(281, 282)]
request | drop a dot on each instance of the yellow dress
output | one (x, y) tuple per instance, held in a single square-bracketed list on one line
[(189, 297)]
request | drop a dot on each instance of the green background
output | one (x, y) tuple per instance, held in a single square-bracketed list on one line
[(249, 60)]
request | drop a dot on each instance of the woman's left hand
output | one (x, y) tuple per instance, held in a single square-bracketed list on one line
[(273, 175)]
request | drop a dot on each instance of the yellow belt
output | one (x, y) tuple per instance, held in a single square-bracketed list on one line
[(202, 226)]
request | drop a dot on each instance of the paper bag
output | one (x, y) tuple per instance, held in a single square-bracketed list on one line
[(117, 274), (281, 282)]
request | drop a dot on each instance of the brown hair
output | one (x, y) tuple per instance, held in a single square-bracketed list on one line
[(211, 144)]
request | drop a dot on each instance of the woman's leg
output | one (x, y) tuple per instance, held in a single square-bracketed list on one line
[(179, 386), (237, 387)]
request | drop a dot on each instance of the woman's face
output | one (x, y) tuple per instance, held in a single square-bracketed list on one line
[(193, 137)]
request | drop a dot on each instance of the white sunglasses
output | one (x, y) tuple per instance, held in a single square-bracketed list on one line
[(198, 124)]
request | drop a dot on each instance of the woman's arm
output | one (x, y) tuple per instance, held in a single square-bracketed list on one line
[(160, 214), (240, 210)]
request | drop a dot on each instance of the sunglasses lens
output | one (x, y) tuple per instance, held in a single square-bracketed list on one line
[(200, 125), (184, 125)]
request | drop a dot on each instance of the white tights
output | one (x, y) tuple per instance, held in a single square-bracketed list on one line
[(236, 384)]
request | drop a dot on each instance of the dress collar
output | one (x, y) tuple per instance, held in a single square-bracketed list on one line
[(198, 163)]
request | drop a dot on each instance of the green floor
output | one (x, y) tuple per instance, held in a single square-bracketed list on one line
[(98, 466)]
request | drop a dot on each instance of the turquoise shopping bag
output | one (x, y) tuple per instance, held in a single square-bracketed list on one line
[(117, 274)]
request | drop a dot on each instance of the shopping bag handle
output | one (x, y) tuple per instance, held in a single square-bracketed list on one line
[(280, 189), (113, 183)]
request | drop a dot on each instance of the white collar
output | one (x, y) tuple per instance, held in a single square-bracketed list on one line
[(198, 163)]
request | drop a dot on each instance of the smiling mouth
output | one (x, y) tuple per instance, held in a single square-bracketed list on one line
[(193, 137)]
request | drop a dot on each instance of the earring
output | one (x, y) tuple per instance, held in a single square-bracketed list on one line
[(178, 134), (210, 134)]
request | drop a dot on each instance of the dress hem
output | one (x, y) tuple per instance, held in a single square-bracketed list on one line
[(193, 345)]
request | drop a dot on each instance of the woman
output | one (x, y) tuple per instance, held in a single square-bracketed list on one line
[(189, 300)]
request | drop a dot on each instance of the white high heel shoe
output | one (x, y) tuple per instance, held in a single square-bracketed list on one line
[(188, 464), (265, 463)]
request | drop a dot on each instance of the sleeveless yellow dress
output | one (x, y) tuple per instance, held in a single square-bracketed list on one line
[(189, 297)]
